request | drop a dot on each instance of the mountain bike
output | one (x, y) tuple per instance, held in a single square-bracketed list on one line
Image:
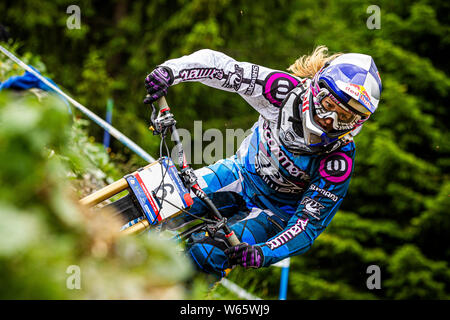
[(160, 191)]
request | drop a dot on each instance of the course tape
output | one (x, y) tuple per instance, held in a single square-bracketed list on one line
[(241, 293)]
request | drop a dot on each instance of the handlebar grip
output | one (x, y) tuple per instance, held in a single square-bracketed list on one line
[(233, 240), (162, 103)]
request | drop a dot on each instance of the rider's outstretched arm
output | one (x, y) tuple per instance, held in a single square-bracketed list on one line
[(318, 206), (263, 88)]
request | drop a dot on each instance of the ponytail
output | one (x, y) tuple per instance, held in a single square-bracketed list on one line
[(308, 65)]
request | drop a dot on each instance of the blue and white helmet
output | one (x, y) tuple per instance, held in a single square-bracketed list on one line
[(352, 81)]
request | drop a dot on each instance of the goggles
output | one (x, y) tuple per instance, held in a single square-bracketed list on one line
[(344, 117)]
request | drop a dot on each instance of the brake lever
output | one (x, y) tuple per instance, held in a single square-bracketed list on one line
[(153, 127), (161, 120)]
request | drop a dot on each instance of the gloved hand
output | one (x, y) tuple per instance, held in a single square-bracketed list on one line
[(245, 255), (157, 83)]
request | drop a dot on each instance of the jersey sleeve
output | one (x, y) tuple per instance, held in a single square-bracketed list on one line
[(263, 88), (320, 202)]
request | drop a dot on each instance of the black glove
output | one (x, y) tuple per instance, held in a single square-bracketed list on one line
[(245, 255), (157, 83)]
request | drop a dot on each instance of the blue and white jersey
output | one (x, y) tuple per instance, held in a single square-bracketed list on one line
[(303, 190)]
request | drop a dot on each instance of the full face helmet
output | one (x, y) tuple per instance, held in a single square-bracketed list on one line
[(352, 82)]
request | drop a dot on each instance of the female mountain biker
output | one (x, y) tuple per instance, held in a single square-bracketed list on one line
[(290, 175)]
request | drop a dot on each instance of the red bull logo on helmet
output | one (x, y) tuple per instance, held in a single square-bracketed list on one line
[(360, 94)]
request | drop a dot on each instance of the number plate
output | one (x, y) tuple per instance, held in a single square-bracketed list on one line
[(159, 190)]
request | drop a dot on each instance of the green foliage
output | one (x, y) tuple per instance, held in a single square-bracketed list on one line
[(307, 287), (44, 231), (413, 276), (396, 212), (90, 166)]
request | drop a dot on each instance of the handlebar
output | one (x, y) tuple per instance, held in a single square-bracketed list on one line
[(165, 110)]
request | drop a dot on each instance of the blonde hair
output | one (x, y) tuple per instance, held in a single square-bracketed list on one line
[(308, 65)]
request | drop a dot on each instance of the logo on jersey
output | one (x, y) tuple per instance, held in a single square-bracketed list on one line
[(269, 161), (336, 168), (278, 153), (201, 73), (289, 234), (234, 79), (274, 179), (251, 86), (323, 192), (277, 85), (312, 207)]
